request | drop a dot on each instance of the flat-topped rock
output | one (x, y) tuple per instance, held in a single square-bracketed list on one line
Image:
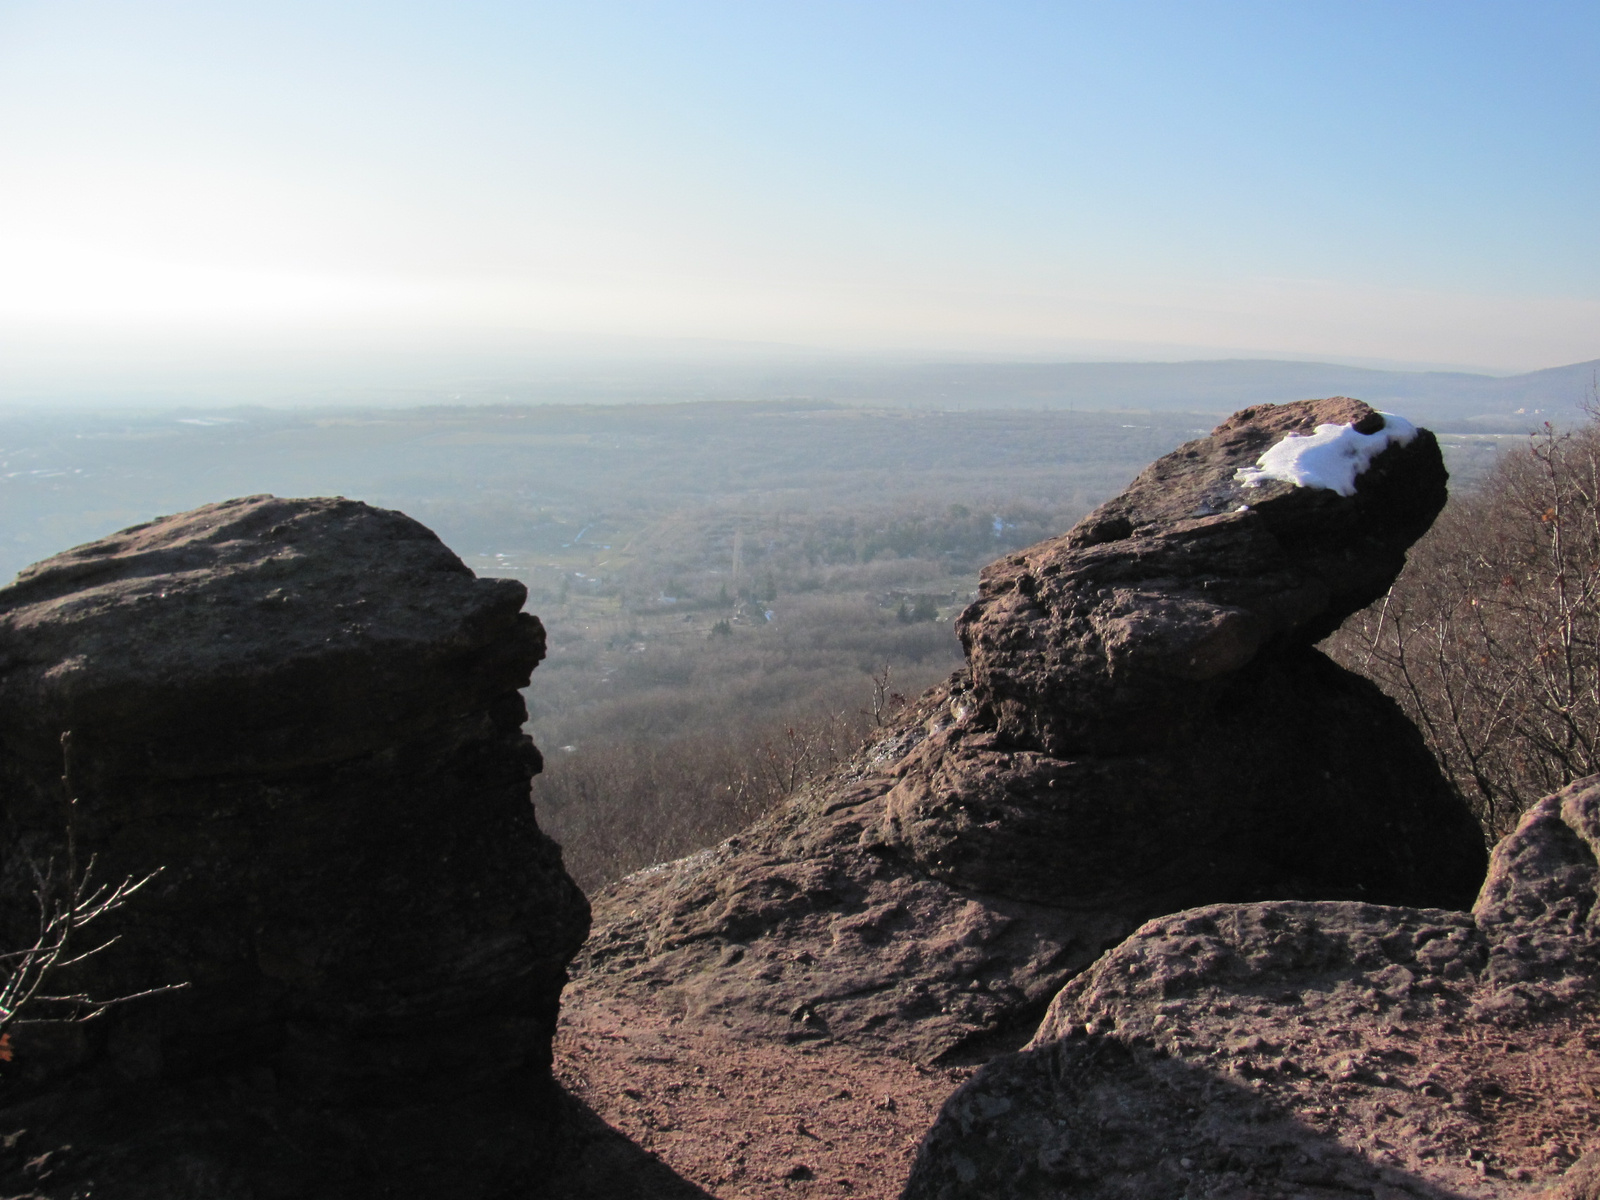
[(306, 714), (255, 634)]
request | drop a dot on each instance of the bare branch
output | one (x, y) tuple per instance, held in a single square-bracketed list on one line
[(68, 901), (1490, 638)]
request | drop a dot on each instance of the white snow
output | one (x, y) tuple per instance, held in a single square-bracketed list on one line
[(1330, 458)]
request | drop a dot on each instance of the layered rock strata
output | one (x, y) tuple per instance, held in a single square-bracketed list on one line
[(1334, 1049), (1144, 725), (305, 714)]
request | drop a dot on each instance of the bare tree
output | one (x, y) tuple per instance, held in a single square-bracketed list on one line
[(1490, 638), (69, 900), (885, 703)]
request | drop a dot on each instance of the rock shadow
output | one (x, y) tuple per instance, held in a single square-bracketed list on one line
[(228, 1140), (1092, 1118), (605, 1164)]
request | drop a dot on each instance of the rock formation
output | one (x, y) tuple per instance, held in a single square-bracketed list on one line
[(306, 714), (1144, 725), (1334, 1049)]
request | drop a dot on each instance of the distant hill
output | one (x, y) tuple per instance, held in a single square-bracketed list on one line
[(1445, 399), (1448, 401), (1456, 401)]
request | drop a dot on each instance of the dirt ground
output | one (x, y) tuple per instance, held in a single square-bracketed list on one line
[(747, 1119)]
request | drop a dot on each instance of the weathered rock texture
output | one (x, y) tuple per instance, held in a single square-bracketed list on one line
[(1144, 725), (305, 713), (1335, 1049)]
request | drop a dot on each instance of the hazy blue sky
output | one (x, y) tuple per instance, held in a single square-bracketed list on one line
[(1401, 180)]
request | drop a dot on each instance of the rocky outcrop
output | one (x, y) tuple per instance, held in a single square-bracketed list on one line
[(306, 714), (1538, 907), (1144, 725), (1335, 1048), (1143, 698)]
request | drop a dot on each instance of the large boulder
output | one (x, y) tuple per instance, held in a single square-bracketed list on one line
[(1144, 725), (1538, 905), (1242, 1050), (1146, 722), (305, 714)]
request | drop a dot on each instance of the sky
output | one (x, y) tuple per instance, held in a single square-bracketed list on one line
[(188, 184)]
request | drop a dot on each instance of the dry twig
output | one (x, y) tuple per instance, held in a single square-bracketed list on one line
[(69, 900)]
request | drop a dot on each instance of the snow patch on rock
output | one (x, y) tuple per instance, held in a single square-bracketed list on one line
[(1330, 458)]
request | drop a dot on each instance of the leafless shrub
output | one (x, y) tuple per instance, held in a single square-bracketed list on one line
[(1490, 638), (69, 901), (619, 807), (885, 702)]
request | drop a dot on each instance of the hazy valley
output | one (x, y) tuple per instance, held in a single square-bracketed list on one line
[(721, 582)]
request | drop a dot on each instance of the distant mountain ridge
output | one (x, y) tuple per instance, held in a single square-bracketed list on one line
[(1450, 401), (1456, 401), (1223, 386)]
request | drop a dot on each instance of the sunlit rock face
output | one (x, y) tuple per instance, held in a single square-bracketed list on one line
[(1261, 1049), (1144, 725), (306, 714), (1146, 720)]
